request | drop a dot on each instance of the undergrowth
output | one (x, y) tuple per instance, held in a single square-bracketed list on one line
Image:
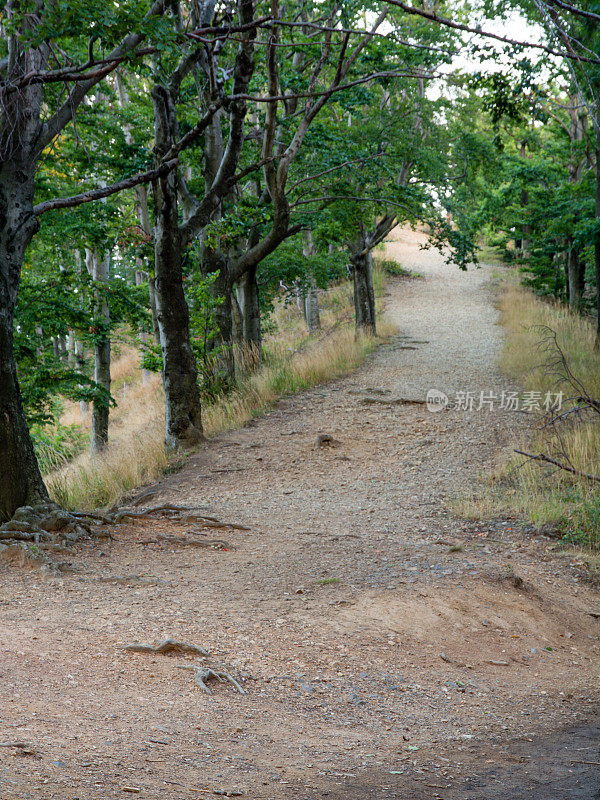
[(548, 497)]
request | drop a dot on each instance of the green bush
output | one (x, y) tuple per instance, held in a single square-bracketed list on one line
[(57, 445), (392, 268)]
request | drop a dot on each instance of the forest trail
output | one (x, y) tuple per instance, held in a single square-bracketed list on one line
[(388, 649)]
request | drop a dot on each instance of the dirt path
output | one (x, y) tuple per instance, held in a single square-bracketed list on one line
[(387, 649)]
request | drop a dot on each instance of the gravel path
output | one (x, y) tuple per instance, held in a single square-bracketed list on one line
[(388, 650)]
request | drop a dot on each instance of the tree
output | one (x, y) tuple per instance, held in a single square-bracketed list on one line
[(27, 91)]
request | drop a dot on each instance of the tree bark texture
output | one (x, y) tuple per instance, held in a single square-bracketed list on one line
[(575, 278), (183, 425), (248, 299), (99, 269), (364, 295), (20, 478)]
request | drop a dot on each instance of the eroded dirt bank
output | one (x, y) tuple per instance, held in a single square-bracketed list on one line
[(387, 649)]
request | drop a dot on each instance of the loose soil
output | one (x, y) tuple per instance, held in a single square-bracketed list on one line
[(386, 648)]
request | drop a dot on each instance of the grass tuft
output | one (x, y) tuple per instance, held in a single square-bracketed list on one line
[(547, 497)]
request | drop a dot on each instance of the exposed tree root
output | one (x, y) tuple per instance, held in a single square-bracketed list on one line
[(203, 674), (166, 646), (182, 514), (183, 541), (325, 440), (398, 401), (125, 580), (32, 528)]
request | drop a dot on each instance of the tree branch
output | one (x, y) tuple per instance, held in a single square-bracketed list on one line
[(433, 17), (66, 112), (547, 460), (573, 10), (106, 191)]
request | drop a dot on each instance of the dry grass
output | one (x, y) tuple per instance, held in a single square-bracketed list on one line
[(294, 361), (135, 455), (542, 494)]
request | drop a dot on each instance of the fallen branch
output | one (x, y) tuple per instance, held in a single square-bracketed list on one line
[(547, 460), (203, 674), (166, 646)]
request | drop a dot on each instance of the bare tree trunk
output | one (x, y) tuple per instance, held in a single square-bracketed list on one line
[(248, 299), (20, 478), (597, 215), (99, 269), (575, 278), (183, 424), (311, 305), (364, 295), (224, 341), (311, 297), (526, 230), (140, 278)]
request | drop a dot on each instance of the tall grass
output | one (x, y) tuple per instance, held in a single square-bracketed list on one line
[(293, 362), (544, 495)]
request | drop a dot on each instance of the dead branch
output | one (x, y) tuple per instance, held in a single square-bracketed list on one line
[(548, 460), (203, 674), (166, 646)]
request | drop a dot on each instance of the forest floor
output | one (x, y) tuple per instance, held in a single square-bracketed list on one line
[(387, 649)]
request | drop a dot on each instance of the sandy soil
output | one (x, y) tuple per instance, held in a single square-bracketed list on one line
[(388, 650)]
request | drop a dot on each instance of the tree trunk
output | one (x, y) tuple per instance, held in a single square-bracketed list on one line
[(311, 297), (248, 299), (99, 270), (183, 424), (20, 478), (575, 277), (223, 341), (526, 229), (364, 295), (140, 278), (311, 308), (597, 235)]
